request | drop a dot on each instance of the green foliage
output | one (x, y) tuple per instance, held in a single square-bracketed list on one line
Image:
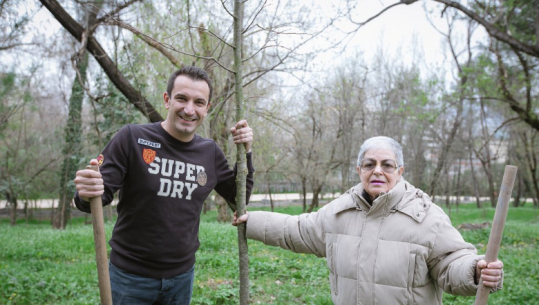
[(112, 112), (7, 84), (39, 265)]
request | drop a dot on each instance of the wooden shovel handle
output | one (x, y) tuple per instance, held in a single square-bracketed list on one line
[(498, 224), (101, 257)]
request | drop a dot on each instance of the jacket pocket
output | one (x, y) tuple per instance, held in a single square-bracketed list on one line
[(332, 266), (421, 272), (410, 280)]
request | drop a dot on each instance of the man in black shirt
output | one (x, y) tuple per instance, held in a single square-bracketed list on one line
[(164, 172)]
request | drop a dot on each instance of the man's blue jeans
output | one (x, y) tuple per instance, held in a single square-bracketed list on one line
[(130, 289)]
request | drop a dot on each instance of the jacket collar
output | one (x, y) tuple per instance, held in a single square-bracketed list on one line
[(344, 203), (384, 202), (403, 197), (415, 203)]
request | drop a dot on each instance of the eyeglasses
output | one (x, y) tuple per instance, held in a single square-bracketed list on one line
[(388, 166)]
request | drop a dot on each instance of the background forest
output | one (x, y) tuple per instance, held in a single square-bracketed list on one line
[(73, 72)]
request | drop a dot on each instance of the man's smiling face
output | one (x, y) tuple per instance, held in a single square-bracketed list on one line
[(187, 107)]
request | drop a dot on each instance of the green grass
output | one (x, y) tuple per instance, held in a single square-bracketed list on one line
[(40, 265)]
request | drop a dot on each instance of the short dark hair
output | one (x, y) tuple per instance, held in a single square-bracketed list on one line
[(194, 73)]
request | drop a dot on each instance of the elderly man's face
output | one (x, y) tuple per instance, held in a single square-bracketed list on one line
[(377, 179)]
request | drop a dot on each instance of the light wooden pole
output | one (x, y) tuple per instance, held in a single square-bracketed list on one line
[(496, 232), (101, 258)]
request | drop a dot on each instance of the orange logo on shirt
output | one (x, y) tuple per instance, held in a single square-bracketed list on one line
[(148, 155), (100, 160)]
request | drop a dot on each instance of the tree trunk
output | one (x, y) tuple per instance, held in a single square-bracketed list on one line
[(446, 147), (241, 158), (270, 198), (447, 191), (72, 151), (492, 189), (109, 213), (475, 182), (345, 170), (304, 191), (457, 189), (535, 184), (206, 207), (13, 210), (516, 202), (531, 160), (72, 147), (315, 201), (52, 211), (26, 210), (487, 159), (222, 208)]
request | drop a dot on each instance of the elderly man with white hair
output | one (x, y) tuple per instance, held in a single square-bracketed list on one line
[(384, 240)]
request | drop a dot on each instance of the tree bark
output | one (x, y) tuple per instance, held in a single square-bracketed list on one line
[(72, 146), (474, 178), (486, 160), (314, 203), (526, 114), (304, 192), (269, 194), (516, 202), (13, 210), (241, 158), (446, 147), (457, 190), (222, 208), (93, 46), (531, 158)]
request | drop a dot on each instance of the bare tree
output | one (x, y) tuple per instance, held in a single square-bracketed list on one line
[(514, 24), (25, 170), (460, 98)]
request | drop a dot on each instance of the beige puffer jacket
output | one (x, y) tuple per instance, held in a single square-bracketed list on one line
[(402, 250)]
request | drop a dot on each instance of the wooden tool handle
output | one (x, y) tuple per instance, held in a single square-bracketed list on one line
[(101, 257), (498, 224)]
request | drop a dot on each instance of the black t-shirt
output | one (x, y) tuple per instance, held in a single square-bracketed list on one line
[(163, 183)]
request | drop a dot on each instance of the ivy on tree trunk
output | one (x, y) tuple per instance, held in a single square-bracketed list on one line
[(72, 146)]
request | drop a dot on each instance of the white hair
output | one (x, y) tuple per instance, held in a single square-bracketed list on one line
[(381, 143)]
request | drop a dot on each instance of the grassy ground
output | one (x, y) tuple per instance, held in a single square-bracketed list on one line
[(39, 265)]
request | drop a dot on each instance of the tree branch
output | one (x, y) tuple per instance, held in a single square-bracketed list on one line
[(226, 9), (109, 67), (11, 46), (117, 10), (162, 46), (407, 2), (527, 116), (492, 30), (254, 18), (148, 40)]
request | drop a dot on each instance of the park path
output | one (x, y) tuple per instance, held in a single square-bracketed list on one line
[(256, 199)]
